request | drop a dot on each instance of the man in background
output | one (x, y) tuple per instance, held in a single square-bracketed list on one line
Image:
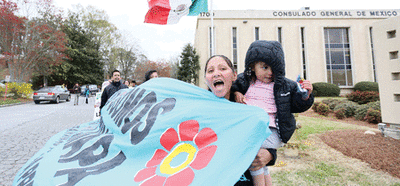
[(77, 92), (112, 88)]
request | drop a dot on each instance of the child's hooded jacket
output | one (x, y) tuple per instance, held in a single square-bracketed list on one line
[(287, 98)]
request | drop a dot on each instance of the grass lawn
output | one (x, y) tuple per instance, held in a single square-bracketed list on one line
[(12, 101), (317, 165)]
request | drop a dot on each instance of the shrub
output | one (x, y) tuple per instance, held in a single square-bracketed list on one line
[(363, 97), (349, 108), (362, 110), (332, 102), (19, 90), (315, 105), (373, 116), (366, 86), (340, 113), (323, 109), (2, 90), (325, 89), (14, 92), (375, 105)]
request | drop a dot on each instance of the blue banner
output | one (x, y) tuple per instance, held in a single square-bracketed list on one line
[(164, 132)]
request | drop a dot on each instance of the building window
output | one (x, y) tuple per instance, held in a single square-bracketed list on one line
[(395, 76), (303, 53), (373, 56), (212, 37), (396, 97), (234, 47), (337, 50), (391, 34), (257, 33), (394, 55), (280, 35)]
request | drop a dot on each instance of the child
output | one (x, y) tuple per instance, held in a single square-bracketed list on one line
[(263, 84)]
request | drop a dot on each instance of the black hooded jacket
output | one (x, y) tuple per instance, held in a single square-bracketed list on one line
[(287, 98), (109, 91)]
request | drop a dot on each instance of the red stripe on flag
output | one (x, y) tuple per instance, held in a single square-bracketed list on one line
[(160, 3), (157, 15)]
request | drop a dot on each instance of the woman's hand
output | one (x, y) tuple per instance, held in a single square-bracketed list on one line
[(262, 158), (239, 97), (306, 84)]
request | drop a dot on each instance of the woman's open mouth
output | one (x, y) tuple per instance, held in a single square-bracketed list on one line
[(218, 84)]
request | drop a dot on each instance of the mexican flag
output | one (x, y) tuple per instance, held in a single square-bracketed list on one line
[(165, 12)]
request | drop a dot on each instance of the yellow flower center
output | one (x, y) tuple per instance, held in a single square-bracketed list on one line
[(166, 167)]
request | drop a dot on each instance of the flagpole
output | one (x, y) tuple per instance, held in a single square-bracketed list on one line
[(212, 29)]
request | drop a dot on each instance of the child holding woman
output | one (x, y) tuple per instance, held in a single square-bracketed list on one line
[(263, 84)]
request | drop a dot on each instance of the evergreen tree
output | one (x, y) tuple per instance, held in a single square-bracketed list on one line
[(189, 65), (83, 64)]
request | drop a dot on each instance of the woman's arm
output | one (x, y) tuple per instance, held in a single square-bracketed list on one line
[(263, 158)]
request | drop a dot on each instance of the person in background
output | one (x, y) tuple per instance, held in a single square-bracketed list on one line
[(126, 82), (150, 74), (219, 76), (77, 92), (112, 88), (264, 84), (132, 84), (87, 93)]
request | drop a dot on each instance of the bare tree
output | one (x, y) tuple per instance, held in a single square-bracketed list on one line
[(36, 42)]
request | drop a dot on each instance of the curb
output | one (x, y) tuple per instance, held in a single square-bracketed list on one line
[(14, 104)]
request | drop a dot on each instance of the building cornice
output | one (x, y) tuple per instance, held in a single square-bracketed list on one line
[(302, 14)]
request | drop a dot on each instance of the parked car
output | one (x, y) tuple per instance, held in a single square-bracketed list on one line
[(54, 94), (92, 88)]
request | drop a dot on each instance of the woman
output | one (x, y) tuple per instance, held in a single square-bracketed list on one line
[(219, 76), (150, 75)]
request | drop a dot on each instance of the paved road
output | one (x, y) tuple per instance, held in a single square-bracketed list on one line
[(24, 129)]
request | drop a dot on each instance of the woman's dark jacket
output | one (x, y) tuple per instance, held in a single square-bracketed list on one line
[(287, 98)]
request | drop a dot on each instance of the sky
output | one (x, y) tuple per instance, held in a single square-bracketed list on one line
[(164, 42)]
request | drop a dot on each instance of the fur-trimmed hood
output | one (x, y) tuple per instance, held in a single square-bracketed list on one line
[(271, 53)]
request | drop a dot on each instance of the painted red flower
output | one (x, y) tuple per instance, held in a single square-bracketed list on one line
[(192, 144)]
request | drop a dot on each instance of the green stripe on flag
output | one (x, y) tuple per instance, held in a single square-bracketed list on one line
[(197, 7)]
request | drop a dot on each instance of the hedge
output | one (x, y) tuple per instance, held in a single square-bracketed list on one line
[(366, 86), (363, 97), (322, 89)]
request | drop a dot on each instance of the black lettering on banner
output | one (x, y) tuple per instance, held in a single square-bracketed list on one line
[(148, 101), (130, 108), (29, 172), (115, 99), (77, 174), (86, 157), (116, 112), (167, 105), (78, 140), (119, 103)]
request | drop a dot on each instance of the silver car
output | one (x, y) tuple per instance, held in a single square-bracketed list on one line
[(53, 94)]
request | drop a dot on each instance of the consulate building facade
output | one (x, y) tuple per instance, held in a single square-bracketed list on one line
[(387, 38), (334, 46)]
